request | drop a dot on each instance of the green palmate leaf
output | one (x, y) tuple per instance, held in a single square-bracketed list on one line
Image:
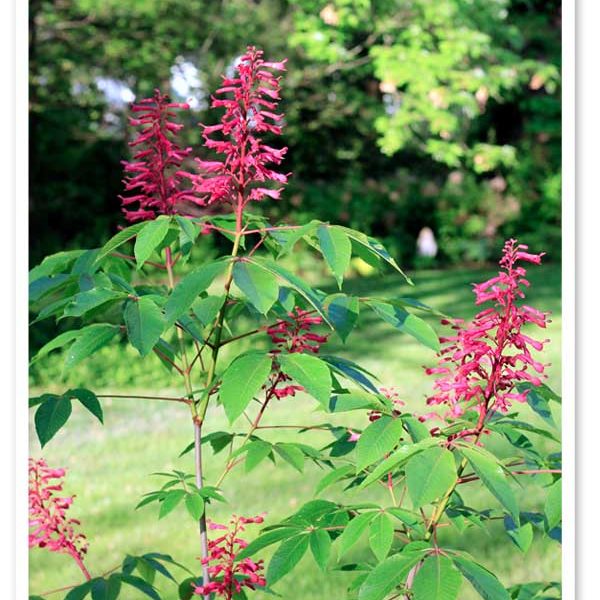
[(113, 587), (195, 505), (553, 505), (521, 536), (336, 249), (352, 401), (49, 285), (492, 475), (351, 371), (99, 586), (310, 372), (50, 416), (118, 240), (353, 532), (320, 546), (296, 284), (145, 323), (207, 309), (539, 400), (437, 579), (288, 238), (258, 285), (58, 342), (286, 557), (186, 588), (381, 536), (189, 288), (291, 454), (79, 592), (266, 539), (171, 500), (396, 459), (88, 399), (484, 582), (89, 340), (407, 322), (257, 452), (343, 313), (429, 475), (407, 517), (141, 585), (387, 575), (94, 298), (369, 248), (149, 237), (242, 381), (417, 431), (334, 476), (379, 438), (55, 263)]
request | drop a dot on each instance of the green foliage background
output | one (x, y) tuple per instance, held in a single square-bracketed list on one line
[(400, 114)]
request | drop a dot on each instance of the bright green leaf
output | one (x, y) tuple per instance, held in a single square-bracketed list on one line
[(286, 557), (50, 416), (429, 475), (437, 579), (258, 285), (149, 238), (89, 340), (320, 546), (379, 438), (242, 380), (381, 536), (336, 249), (484, 582), (195, 505), (145, 323), (310, 372)]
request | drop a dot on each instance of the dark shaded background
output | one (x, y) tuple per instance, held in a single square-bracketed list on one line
[(400, 114)]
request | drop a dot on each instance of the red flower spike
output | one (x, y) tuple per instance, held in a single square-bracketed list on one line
[(154, 174), (228, 576), (483, 362), (49, 526), (243, 174), (293, 335)]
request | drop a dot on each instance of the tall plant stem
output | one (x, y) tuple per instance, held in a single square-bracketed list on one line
[(199, 408), (197, 435)]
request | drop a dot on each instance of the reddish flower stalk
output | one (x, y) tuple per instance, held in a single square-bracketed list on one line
[(49, 526), (229, 576), (250, 101), (293, 335), (481, 365), (154, 173)]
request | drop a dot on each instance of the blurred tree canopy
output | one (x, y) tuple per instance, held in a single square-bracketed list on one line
[(400, 114)]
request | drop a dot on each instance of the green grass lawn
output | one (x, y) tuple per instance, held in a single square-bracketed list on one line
[(109, 467)]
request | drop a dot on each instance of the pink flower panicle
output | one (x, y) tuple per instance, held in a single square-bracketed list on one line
[(154, 174), (293, 335), (250, 100), (482, 363), (49, 526), (228, 576)]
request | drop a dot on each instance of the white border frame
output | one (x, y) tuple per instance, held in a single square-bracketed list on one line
[(15, 238)]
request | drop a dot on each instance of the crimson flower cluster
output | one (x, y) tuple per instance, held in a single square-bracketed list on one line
[(49, 526), (482, 364), (229, 576), (293, 335), (154, 174), (250, 100)]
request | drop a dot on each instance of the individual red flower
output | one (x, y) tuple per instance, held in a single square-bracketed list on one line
[(49, 526), (243, 173), (293, 335), (228, 575), (154, 174), (483, 362)]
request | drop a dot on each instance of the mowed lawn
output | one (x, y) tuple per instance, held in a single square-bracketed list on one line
[(109, 466)]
